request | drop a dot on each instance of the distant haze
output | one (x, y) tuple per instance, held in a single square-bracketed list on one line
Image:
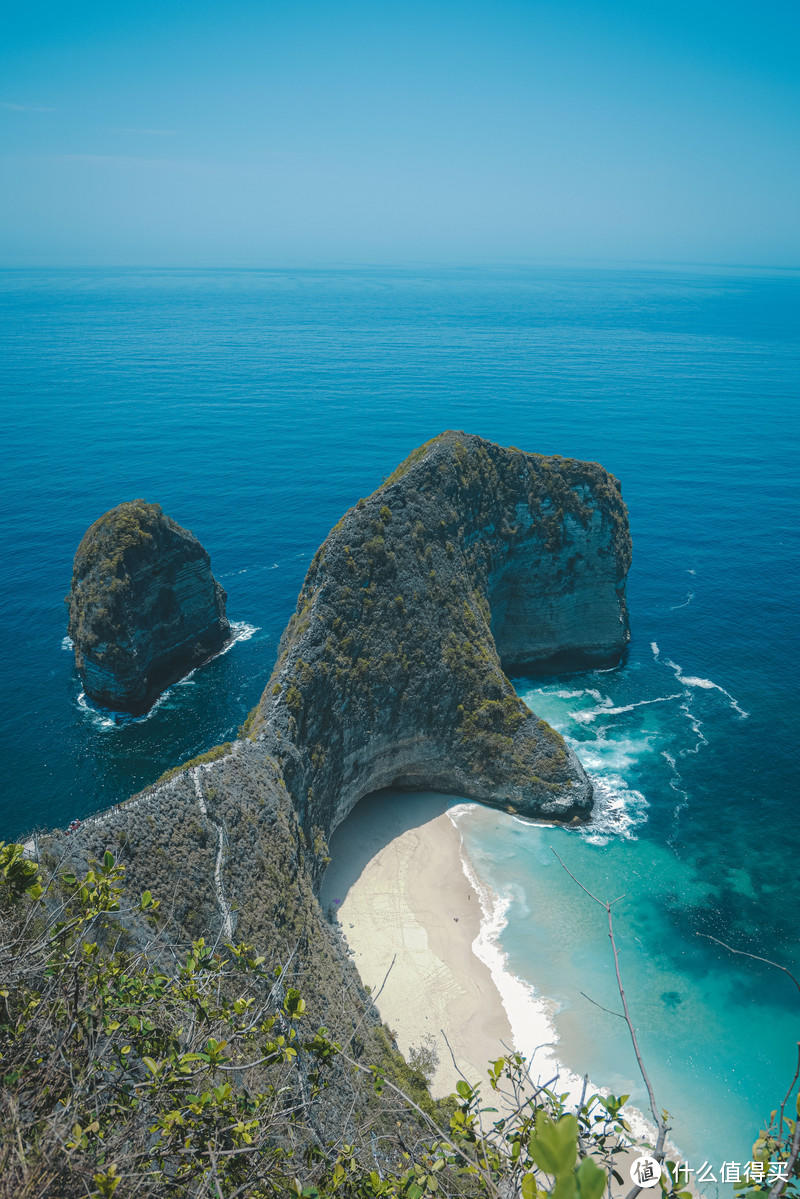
[(263, 133)]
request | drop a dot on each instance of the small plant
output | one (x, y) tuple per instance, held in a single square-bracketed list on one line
[(424, 1058)]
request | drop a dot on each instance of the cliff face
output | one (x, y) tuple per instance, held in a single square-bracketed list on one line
[(219, 844), (144, 607), (470, 559)]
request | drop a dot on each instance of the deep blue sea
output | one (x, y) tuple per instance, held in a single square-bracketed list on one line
[(256, 406)]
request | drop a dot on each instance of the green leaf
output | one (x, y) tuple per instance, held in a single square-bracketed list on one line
[(554, 1147), (528, 1186), (294, 1004), (566, 1186), (591, 1179), (464, 1089)]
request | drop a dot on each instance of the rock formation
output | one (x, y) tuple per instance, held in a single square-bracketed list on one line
[(471, 560), (144, 607)]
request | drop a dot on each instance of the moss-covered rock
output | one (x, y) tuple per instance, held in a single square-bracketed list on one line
[(470, 562), (144, 607)]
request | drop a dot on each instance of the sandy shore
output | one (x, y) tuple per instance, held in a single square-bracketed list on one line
[(397, 882), (415, 925)]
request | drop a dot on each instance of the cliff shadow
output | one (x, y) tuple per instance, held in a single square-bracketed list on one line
[(374, 822)]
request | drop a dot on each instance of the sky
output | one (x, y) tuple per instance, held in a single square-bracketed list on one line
[(312, 134)]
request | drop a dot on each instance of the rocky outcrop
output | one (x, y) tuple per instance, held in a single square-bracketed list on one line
[(144, 607), (470, 561)]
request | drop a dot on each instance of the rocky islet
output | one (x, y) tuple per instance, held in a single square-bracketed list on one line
[(144, 607)]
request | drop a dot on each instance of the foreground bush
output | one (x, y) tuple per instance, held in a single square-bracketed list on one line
[(130, 1068)]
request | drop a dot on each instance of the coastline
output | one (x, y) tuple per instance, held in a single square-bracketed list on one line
[(422, 928), (109, 718), (405, 892), (410, 916)]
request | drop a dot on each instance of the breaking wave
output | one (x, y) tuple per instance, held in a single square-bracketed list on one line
[(107, 719), (530, 1014), (618, 810)]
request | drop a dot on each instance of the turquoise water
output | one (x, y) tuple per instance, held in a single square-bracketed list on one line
[(256, 406), (716, 1034)]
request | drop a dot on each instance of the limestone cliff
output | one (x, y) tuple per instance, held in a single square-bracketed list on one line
[(144, 607), (471, 560)]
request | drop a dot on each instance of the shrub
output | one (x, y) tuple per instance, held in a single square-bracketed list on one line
[(188, 1072)]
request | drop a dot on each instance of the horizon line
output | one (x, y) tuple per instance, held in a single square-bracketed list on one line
[(416, 265)]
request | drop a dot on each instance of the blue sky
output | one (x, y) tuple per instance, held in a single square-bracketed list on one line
[(261, 134)]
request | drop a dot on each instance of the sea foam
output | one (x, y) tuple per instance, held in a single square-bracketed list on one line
[(106, 719), (530, 1015), (704, 685), (607, 709), (618, 810)]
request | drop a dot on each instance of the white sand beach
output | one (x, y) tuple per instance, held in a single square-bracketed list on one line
[(416, 926), (397, 881)]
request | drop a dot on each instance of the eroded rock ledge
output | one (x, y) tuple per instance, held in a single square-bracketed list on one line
[(471, 560), (144, 607)]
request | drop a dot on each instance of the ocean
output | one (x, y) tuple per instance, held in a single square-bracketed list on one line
[(256, 406)]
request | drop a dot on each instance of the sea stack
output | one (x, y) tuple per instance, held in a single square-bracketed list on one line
[(469, 563), (144, 607)]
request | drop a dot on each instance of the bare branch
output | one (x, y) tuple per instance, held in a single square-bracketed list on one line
[(657, 1116), (609, 1010), (601, 902), (755, 956), (456, 1066)]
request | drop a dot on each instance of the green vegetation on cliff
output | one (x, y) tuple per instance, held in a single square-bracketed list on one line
[(469, 558), (210, 755), (101, 571), (147, 1070), (144, 607)]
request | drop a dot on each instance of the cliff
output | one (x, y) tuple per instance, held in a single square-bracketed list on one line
[(469, 562), (144, 607)]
